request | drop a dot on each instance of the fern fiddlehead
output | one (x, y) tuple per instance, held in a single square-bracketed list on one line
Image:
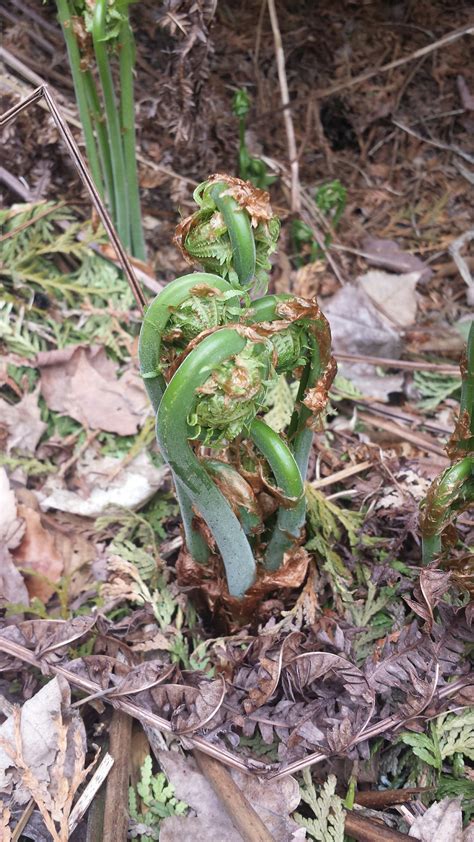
[(208, 355)]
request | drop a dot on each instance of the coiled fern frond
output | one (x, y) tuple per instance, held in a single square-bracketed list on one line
[(208, 355)]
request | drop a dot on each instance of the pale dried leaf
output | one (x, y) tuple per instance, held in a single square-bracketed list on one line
[(441, 822), (23, 423), (11, 526), (46, 721), (131, 487), (393, 295)]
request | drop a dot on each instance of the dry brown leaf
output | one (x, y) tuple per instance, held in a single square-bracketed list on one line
[(83, 383), (23, 423), (38, 552), (12, 585), (388, 255)]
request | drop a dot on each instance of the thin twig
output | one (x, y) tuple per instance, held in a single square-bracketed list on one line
[(90, 791), (418, 439), (23, 820), (407, 365), (285, 99), (43, 92), (456, 150), (243, 816), (340, 475), (423, 51), (367, 830)]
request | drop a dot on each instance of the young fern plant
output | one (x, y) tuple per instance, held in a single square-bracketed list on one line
[(208, 354), (99, 34), (452, 492)]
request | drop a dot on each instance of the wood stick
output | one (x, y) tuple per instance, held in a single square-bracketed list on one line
[(245, 819), (340, 475), (116, 797), (367, 830), (380, 799), (418, 439), (408, 365), (90, 791), (285, 101)]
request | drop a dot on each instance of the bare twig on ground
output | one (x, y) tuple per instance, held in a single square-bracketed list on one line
[(367, 830), (243, 816), (90, 791), (437, 143), (420, 440), (23, 820), (285, 99), (402, 365), (423, 51), (340, 475), (81, 168), (116, 797)]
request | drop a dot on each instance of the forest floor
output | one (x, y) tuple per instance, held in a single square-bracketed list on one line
[(375, 734)]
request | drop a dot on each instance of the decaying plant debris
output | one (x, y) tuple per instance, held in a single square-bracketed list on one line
[(351, 663)]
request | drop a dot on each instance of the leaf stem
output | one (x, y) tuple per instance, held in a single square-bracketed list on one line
[(113, 122), (65, 19), (127, 112), (241, 236), (291, 517), (172, 434)]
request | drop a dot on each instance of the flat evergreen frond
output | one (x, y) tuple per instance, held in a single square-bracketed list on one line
[(434, 388), (327, 808), (152, 801)]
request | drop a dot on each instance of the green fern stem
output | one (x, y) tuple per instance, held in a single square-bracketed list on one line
[(153, 326), (126, 47), (113, 122), (173, 432), (102, 140), (450, 494), (291, 516), (65, 19), (240, 232)]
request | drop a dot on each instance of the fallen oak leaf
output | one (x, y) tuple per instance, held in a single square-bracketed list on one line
[(38, 553), (83, 383)]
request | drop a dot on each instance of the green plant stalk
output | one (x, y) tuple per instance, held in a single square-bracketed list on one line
[(450, 493), (290, 518), (299, 434), (127, 111), (102, 140), (65, 15), (238, 225), (153, 326), (113, 123), (467, 390), (173, 433)]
